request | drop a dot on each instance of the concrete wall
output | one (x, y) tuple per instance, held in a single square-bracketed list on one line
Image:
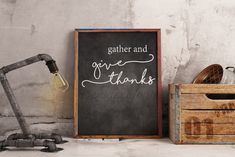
[(194, 35)]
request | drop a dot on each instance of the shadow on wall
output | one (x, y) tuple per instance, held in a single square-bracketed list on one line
[(69, 75)]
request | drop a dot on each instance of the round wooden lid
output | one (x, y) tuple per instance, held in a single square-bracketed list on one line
[(210, 75)]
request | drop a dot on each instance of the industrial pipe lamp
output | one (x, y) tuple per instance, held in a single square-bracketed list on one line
[(26, 138)]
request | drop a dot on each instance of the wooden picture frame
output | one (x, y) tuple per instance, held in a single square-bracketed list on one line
[(158, 83)]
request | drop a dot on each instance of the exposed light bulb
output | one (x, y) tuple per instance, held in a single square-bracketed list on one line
[(59, 82)]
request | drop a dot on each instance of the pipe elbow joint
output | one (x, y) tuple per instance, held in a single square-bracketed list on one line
[(51, 64), (45, 57)]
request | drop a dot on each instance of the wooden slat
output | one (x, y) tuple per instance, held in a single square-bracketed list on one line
[(75, 92), (203, 120), (207, 88), (172, 111), (159, 84), (217, 116), (204, 139), (171, 88), (119, 136), (117, 30), (208, 129), (200, 101)]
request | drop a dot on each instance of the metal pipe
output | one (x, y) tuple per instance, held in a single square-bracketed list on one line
[(51, 146), (8, 90), (15, 107), (26, 139), (45, 57), (31, 60)]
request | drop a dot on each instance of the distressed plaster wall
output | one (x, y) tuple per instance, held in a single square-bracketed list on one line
[(29, 27), (194, 35)]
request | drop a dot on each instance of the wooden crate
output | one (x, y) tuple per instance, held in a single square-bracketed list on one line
[(197, 116)]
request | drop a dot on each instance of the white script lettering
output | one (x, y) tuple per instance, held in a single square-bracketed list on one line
[(115, 78)]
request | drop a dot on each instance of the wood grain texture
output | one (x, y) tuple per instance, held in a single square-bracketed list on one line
[(207, 88), (201, 101), (203, 120), (118, 30), (218, 116), (217, 129), (204, 139), (159, 75), (172, 113), (118, 137), (75, 91)]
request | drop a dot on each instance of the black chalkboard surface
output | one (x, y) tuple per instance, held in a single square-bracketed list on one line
[(117, 87)]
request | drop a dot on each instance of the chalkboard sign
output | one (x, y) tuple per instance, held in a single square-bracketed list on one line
[(117, 87)]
